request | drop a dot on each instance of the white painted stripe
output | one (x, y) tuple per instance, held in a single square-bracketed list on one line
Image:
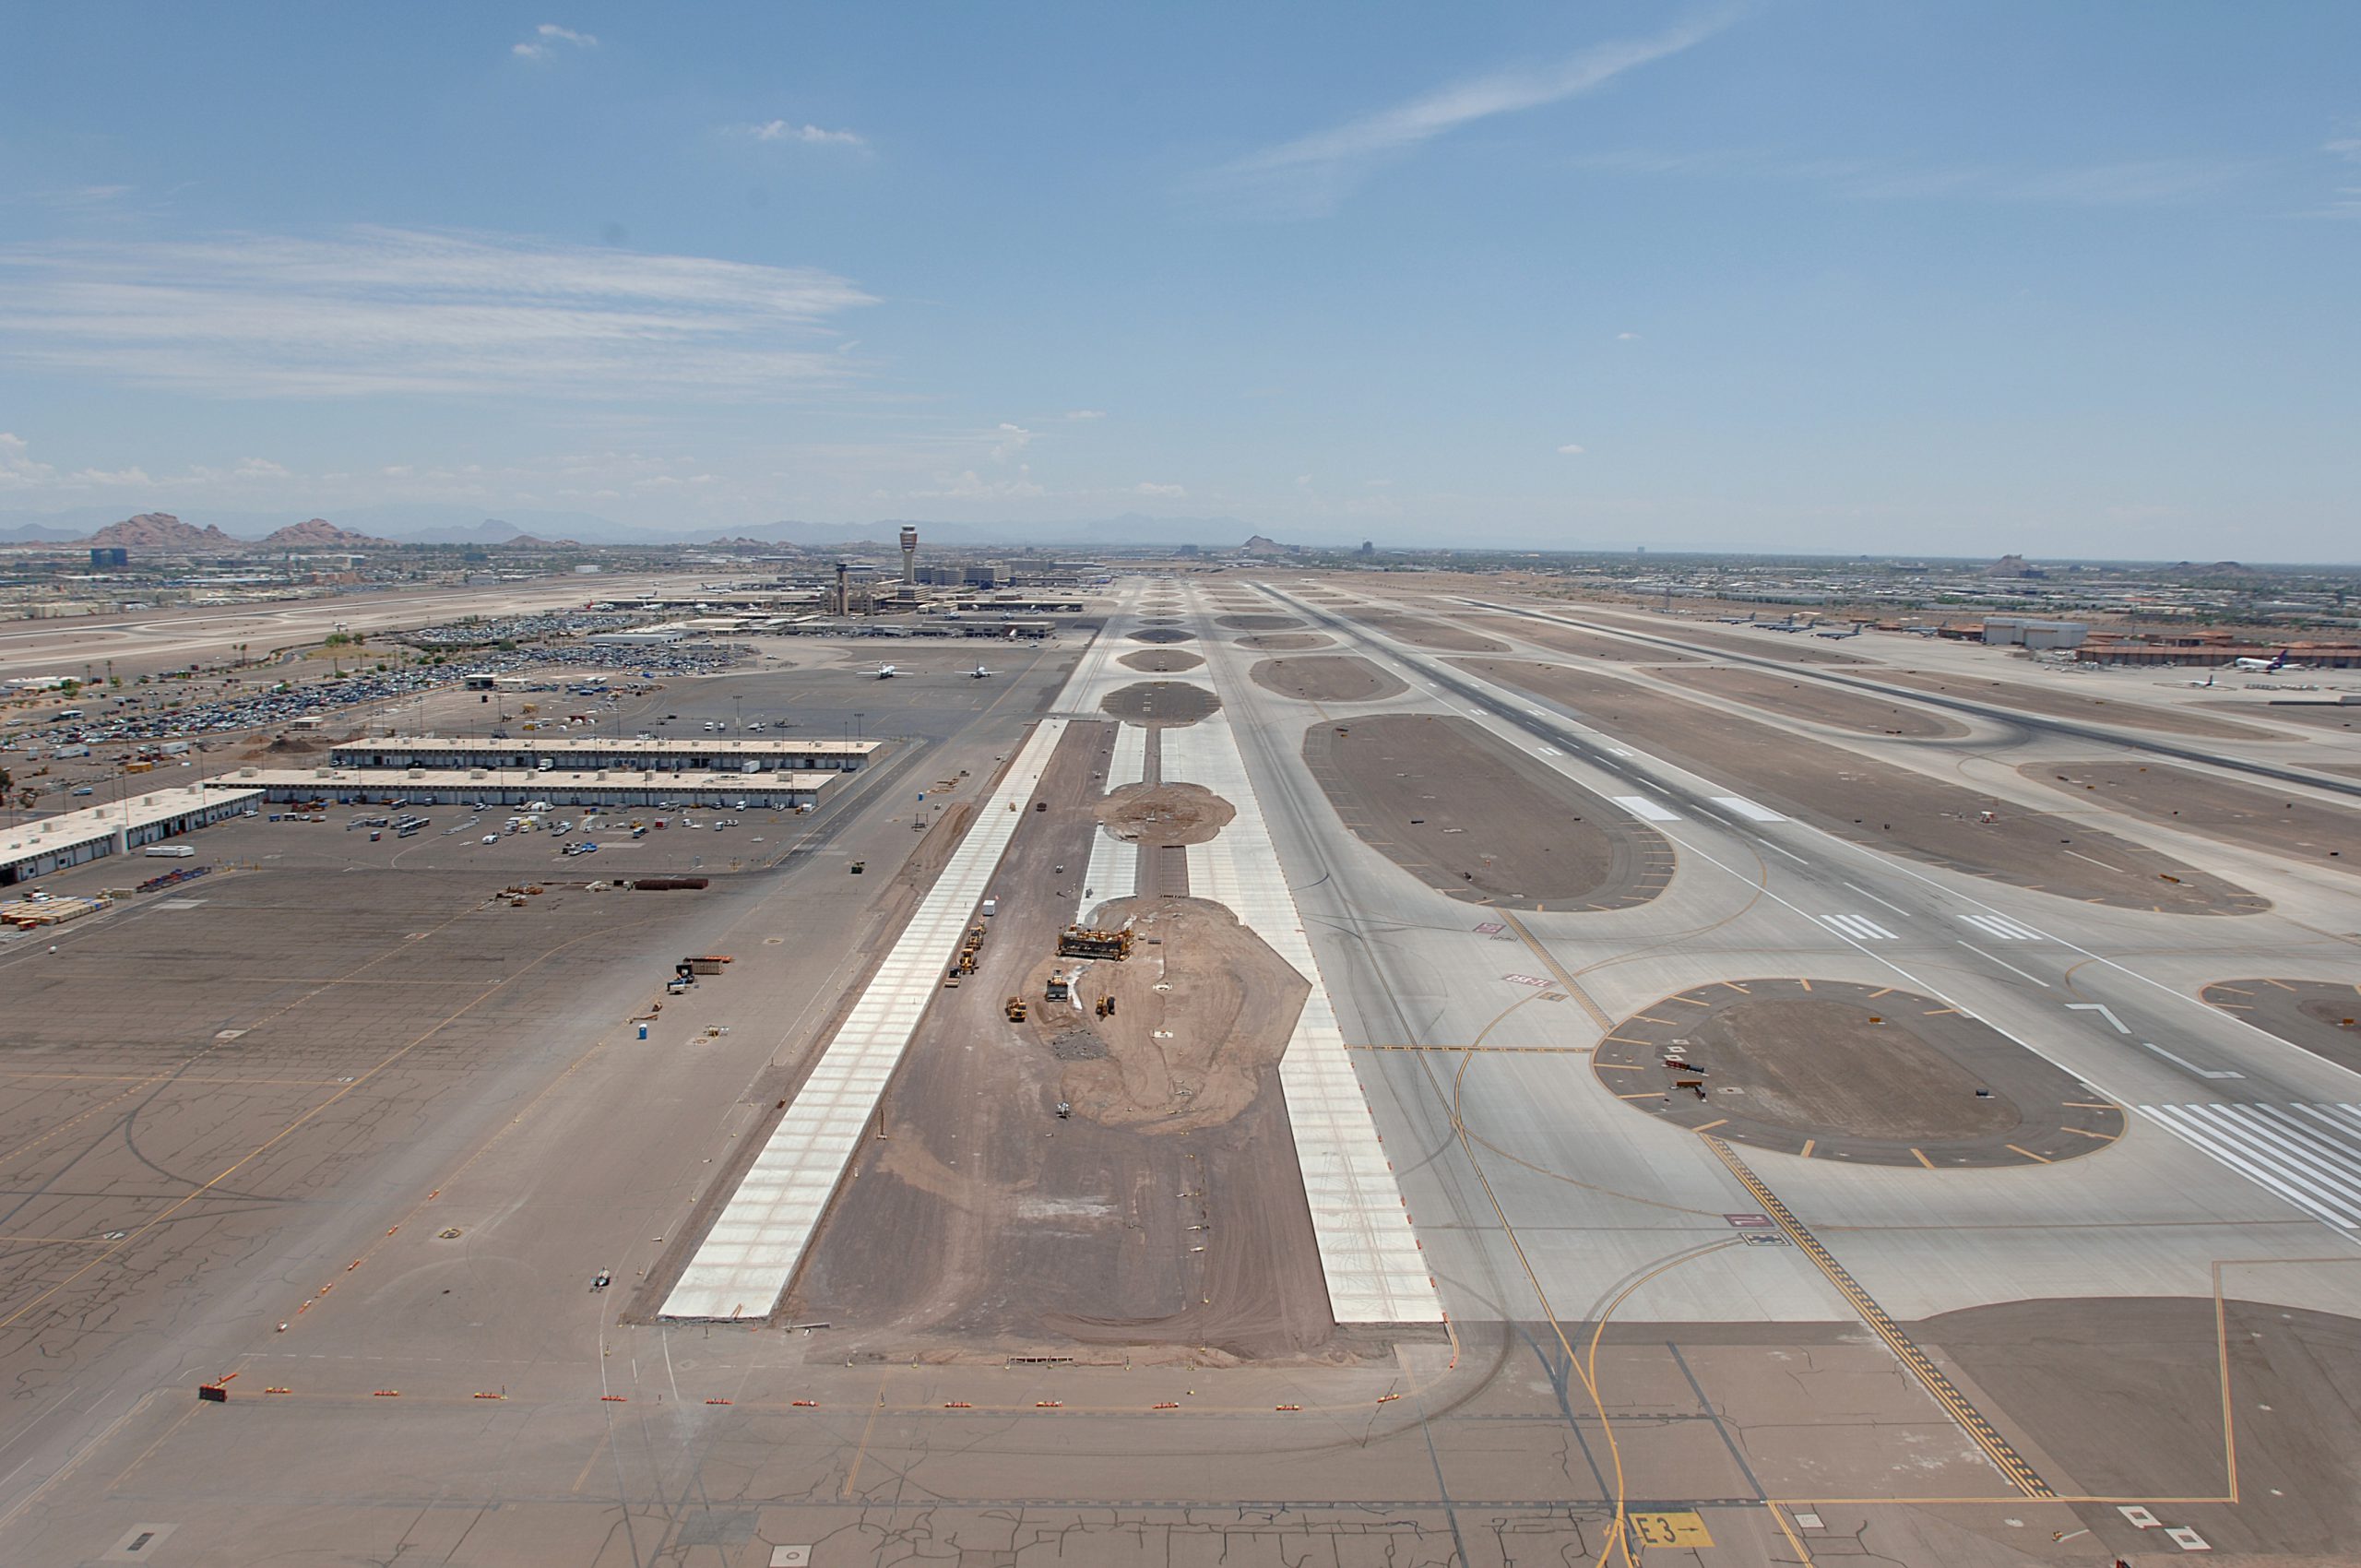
[(1368, 1253), (2006, 965), (1747, 808), (2002, 928), (1646, 808), (758, 1241), (1858, 928), (2253, 1140)]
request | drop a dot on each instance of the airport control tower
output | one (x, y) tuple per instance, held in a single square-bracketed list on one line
[(909, 561)]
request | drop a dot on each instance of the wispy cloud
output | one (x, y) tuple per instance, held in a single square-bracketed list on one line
[(811, 136), (547, 38), (2345, 201), (1077, 415), (21, 474), (1168, 492), (2137, 182), (1570, 450), (1308, 176), (402, 310)]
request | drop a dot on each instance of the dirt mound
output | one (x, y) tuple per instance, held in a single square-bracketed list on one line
[(1327, 678), (1194, 1035), (1161, 661), (1287, 642), (1160, 704), (1162, 634), (1166, 814), (1257, 623)]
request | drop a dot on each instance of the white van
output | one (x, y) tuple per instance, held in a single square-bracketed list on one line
[(168, 851)]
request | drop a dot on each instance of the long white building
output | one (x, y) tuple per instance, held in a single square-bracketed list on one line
[(591, 753), (70, 838)]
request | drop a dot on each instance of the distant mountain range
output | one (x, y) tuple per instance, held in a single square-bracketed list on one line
[(377, 527)]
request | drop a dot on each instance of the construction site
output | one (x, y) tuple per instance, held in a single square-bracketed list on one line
[(1291, 1070)]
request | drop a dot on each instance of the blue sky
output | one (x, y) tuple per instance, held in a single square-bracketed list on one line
[(2070, 280)]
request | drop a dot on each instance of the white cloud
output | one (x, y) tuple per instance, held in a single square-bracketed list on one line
[(17, 468), (787, 130), (1627, 336), (1078, 415), (547, 36), (1009, 440), (1148, 487), (1307, 177), (1570, 450), (388, 310)]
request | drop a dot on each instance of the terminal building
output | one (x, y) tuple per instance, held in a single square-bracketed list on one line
[(735, 754), (622, 789), (38, 848)]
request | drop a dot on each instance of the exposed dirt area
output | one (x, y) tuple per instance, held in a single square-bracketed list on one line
[(2323, 715), (1166, 814), (1476, 818), (1881, 806), (1422, 633), (1161, 703), (981, 1223), (1162, 634), (1864, 1074), (1327, 678), (1287, 642), (2298, 826), (1203, 1010), (2129, 1392), (2076, 704), (1257, 623), (1818, 703), (2323, 1016), (1574, 640), (1161, 661)]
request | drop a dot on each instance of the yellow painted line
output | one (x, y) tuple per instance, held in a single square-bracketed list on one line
[(1626, 1040), (2085, 1132), (1739, 988), (1648, 1094), (2089, 1105), (1643, 1019), (2028, 1154), (1805, 984), (1996, 1447), (1693, 1002), (1710, 1125), (2281, 984), (1938, 1012), (1922, 1160), (1809, 1145), (1622, 1067), (2235, 1007), (1887, 991)]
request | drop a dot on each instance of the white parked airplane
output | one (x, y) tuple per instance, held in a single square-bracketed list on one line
[(885, 672), (979, 673), (2275, 664)]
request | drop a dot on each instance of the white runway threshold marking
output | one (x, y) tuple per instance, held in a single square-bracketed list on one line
[(2001, 928), (1646, 808), (1858, 927), (1747, 808), (1367, 1252), (2311, 1155), (759, 1238)]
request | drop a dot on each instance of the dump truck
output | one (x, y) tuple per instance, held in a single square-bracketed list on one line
[(1016, 1009)]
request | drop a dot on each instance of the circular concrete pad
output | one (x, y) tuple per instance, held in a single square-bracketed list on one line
[(1258, 623), (1327, 678), (1162, 634), (1168, 704), (1160, 660), (1867, 1075), (1287, 641)]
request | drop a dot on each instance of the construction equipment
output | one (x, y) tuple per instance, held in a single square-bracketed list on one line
[(1016, 1009), (1082, 942), (1105, 1007), (1059, 989)]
